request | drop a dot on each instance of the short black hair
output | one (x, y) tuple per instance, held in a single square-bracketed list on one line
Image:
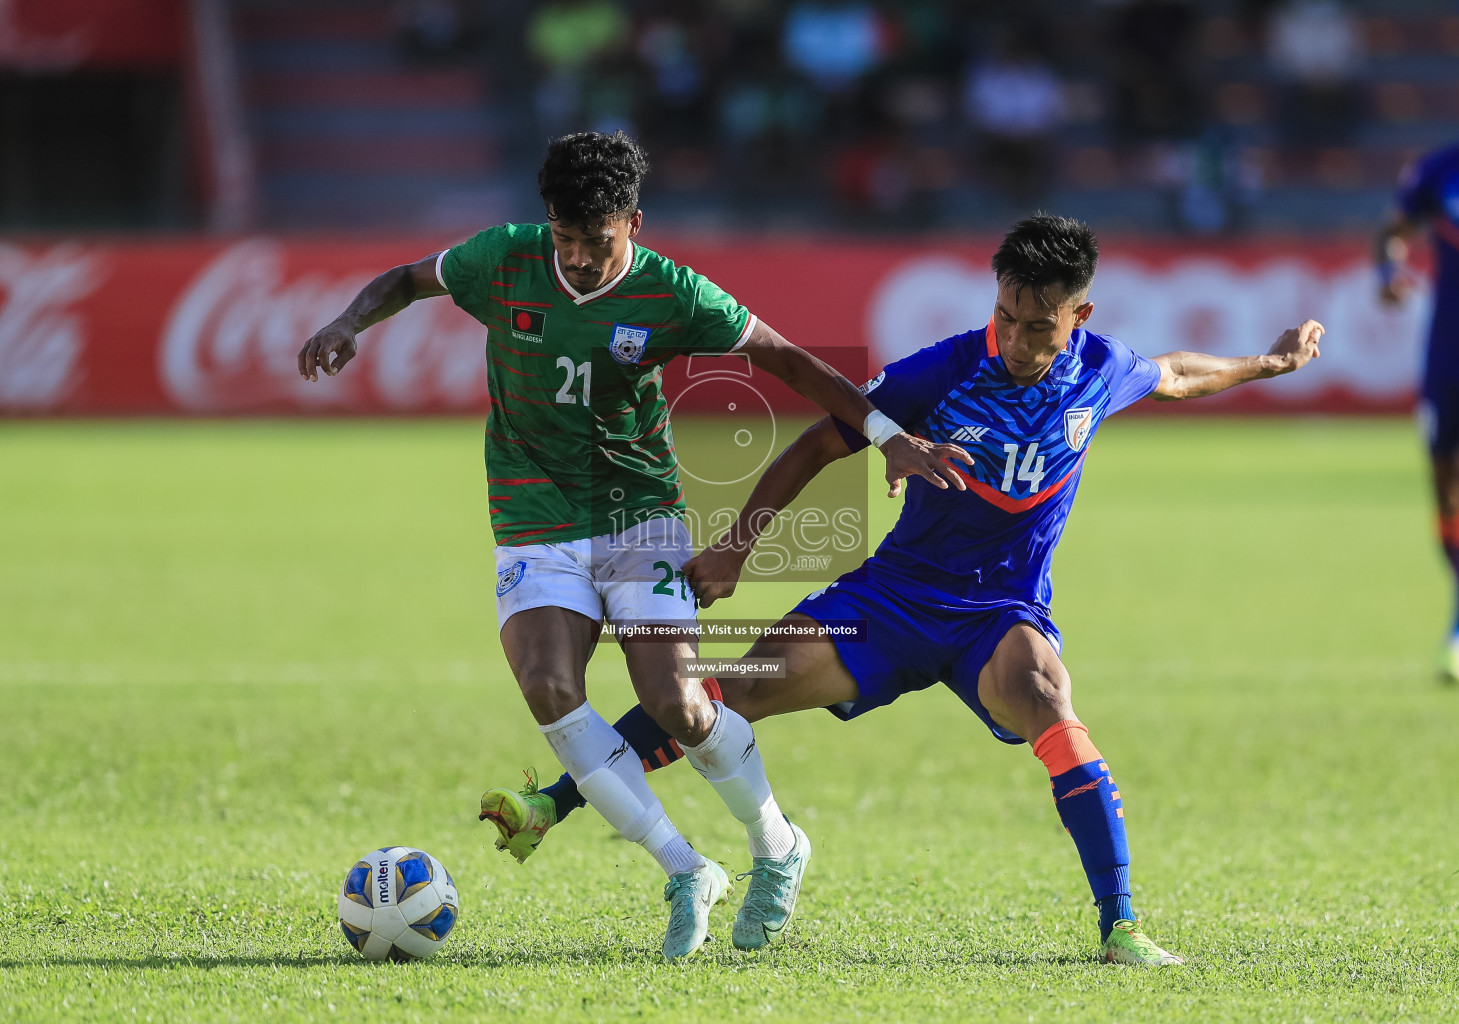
[(1042, 251), (589, 177)]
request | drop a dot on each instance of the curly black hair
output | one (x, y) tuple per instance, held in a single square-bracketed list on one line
[(1042, 251), (589, 177)]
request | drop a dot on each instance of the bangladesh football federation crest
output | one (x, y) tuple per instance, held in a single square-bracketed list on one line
[(628, 343), (1077, 425), (510, 577), (528, 324)]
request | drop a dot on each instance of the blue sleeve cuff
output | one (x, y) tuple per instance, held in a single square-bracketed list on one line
[(855, 439)]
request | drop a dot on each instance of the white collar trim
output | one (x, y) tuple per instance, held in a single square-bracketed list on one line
[(578, 297)]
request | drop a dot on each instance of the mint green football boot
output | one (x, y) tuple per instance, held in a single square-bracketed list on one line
[(691, 895), (770, 900)]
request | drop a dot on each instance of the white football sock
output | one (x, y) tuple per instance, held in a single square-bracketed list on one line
[(730, 759), (610, 777)]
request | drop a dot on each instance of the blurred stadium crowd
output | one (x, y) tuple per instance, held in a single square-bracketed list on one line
[(896, 111), (1154, 114), (1200, 117)]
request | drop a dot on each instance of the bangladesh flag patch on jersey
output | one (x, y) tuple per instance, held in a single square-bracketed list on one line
[(528, 324)]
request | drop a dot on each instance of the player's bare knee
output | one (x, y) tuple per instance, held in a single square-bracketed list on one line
[(1028, 698), (682, 717), (551, 693), (1446, 485), (1048, 686)]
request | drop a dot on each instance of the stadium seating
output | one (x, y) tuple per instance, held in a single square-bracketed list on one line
[(348, 131)]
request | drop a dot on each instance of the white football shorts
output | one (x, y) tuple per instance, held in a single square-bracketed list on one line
[(636, 575)]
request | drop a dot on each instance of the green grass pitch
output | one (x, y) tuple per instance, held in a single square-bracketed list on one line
[(236, 656)]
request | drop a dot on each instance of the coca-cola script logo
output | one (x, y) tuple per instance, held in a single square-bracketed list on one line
[(1191, 302), (40, 338), (231, 344)]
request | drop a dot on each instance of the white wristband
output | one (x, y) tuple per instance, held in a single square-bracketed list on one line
[(879, 428)]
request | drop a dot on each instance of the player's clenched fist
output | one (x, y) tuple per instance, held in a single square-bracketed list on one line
[(328, 350), (1297, 345), (715, 571)]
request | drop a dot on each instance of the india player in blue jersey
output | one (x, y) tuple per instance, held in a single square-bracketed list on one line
[(958, 593), (1428, 197)]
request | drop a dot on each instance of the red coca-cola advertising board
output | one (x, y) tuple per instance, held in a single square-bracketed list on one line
[(213, 327), (54, 36)]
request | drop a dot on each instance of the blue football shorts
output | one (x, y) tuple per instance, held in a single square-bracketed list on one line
[(910, 644), (1438, 415), (1438, 409)]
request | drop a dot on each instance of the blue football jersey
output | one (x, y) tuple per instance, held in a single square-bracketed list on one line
[(1429, 192), (995, 541)]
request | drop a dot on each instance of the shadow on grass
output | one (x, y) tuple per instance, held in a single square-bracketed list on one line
[(1000, 961), (577, 956), (608, 955), (467, 956), (145, 963)]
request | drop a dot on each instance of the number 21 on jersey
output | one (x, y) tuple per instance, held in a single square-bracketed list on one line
[(583, 370)]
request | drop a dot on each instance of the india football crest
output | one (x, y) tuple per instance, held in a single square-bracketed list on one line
[(628, 343), (1077, 425)]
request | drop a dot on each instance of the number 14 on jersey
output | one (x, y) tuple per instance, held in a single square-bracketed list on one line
[(1031, 471)]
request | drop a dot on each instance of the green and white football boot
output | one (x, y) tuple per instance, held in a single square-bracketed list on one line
[(770, 900), (521, 818), (1128, 945), (690, 895)]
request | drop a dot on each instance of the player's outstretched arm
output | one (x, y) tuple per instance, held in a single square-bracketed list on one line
[(382, 298), (1196, 374), (817, 380), (715, 571)]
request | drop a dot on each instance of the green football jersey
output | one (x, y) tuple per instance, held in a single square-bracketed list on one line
[(578, 441)]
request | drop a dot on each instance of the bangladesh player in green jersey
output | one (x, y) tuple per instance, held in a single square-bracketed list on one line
[(585, 500)]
